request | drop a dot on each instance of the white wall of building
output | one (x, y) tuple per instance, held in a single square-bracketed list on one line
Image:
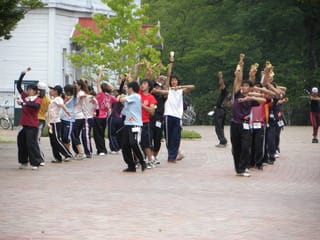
[(27, 47), (39, 39)]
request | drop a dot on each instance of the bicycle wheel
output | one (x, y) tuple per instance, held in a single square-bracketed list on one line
[(188, 118), (5, 123)]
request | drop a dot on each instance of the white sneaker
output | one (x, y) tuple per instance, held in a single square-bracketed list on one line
[(42, 164), (102, 154), (149, 165), (246, 170), (244, 174), (156, 161), (67, 159), (23, 166), (276, 155), (34, 168), (115, 152), (79, 157)]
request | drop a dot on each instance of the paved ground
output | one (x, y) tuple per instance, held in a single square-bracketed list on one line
[(198, 198)]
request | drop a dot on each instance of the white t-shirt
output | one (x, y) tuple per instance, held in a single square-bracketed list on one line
[(174, 104), (54, 110), (90, 104), (78, 107)]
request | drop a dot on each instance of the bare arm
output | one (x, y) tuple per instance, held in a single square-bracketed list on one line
[(150, 109), (265, 91), (250, 98), (238, 74), (137, 71), (98, 81), (255, 94), (187, 88), (160, 91), (121, 98), (221, 81), (252, 73), (316, 98), (169, 71)]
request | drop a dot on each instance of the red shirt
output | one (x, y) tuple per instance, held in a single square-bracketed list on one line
[(29, 115), (258, 113), (148, 100)]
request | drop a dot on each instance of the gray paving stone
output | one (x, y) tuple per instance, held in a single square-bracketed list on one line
[(198, 198)]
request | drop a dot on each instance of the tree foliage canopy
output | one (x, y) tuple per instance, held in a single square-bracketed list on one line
[(11, 12), (120, 42), (208, 36)]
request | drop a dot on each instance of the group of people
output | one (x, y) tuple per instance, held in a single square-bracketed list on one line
[(138, 113), (256, 120), (71, 112), (135, 115)]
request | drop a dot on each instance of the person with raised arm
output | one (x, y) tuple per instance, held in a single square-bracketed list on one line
[(27, 140), (240, 122), (105, 101), (157, 118), (173, 111), (221, 112)]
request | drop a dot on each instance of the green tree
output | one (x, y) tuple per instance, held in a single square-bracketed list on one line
[(208, 36), (120, 42), (12, 11)]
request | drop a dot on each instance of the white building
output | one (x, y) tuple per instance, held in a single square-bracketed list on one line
[(40, 41)]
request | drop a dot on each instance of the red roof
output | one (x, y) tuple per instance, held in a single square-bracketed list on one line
[(145, 27), (88, 22)]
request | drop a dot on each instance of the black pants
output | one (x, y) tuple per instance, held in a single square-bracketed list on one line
[(157, 134), (57, 146), (131, 146), (257, 148), (277, 137), (28, 146), (99, 128), (241, 142), (220, 118), (271, 142), (147, 136), (114, 126), (78, 126), (86, 136)]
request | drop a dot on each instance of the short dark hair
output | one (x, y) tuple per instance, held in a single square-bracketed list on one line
[(134, 86), (68, 89), (247, 82), (33, 87), (42, 93), (176, 77), (150, 83)]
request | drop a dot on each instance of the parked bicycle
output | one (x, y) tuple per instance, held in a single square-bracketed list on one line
[(6, 121), (189, 116)]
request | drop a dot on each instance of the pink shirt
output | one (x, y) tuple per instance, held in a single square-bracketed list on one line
[(105, 101)]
